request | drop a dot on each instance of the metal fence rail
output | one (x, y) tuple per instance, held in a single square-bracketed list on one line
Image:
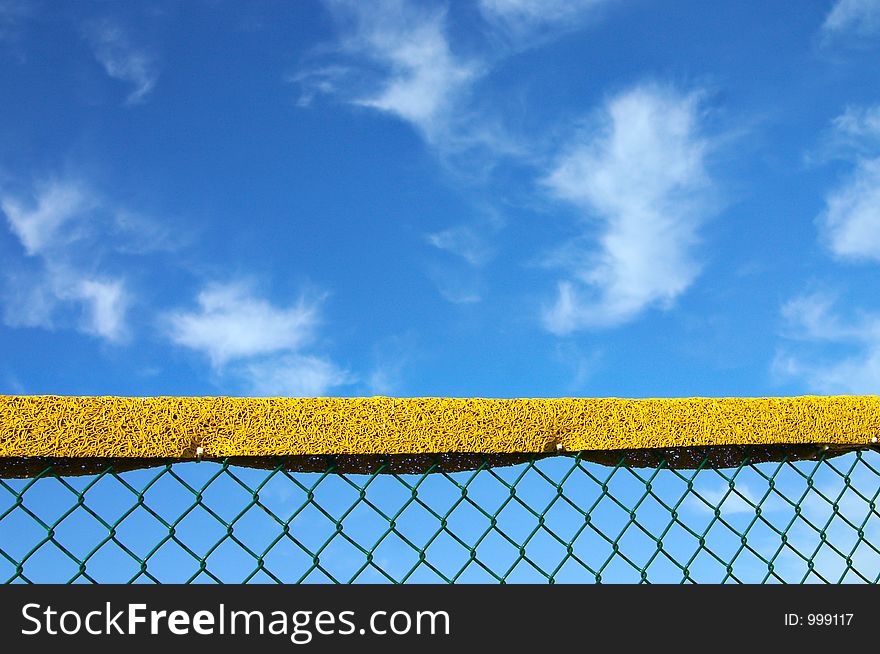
[(557, 519)]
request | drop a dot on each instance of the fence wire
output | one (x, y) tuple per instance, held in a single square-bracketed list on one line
[(551, 520)]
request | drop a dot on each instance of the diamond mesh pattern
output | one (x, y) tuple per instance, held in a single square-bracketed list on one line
[(558, 519)]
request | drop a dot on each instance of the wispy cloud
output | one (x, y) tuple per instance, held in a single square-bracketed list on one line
[(813, 322), (122, 60), (232, 323), (526, 19), (403, 49), (295, 376), (462, 241), (458, 284), (855, 16), (459, 272), (639, 180), (106, 302), (52, 220), (54, 230), (851, 220), (424, 75), (828, 350), (859, 123), (261, 344), (460, 275), (317, 81), (37, 299), (399, 58)]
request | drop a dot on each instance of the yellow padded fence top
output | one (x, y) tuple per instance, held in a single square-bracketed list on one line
[(187, 427)]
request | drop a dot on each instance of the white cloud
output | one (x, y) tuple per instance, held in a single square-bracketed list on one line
[(849, 357), (106, 302), (400, 57), (639, 180), (424, 75), (323, 80), (257, 341), (523, 17), (462, 241), (860, 16), (457, 284), (294, 376), (419, 79), (40, 227), (859, 122), (850, 223), (851, 220), (460, 279), (232, 323), (812, 320), (123, 61), (37, 300), (54, 231), (65, 212)]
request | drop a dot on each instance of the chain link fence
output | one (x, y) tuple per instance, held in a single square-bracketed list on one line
[(743, 517)]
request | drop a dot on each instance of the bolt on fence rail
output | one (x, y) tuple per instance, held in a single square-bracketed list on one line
[(751, 515)]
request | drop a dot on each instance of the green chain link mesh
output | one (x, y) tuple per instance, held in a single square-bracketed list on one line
[(556, 519)]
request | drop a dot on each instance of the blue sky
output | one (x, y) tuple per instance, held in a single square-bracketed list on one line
[(479, 198)]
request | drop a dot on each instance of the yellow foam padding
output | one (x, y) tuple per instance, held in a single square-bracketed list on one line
[(224, 426)]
